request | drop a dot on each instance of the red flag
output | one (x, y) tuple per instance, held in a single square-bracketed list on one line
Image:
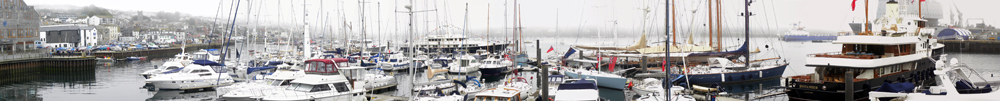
[(598, 66), (853, 2), (550, 49), (664, 68), (611, 67)]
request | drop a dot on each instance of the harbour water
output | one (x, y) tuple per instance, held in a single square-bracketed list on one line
[(119, 81)]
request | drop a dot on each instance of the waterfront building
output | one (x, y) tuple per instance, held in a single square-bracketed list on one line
[(19, 29), (68, 35)]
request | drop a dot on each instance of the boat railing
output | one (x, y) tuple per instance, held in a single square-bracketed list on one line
[(861, 55), (849, 55)]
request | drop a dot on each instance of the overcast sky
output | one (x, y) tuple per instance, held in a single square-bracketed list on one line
[(571, 15)]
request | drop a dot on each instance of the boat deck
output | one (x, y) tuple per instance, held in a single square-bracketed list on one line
[(380, 97)]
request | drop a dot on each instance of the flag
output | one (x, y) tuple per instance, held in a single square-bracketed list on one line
[(853, 2), (570, 52), (611, 67), (664, 68), (550, 49), (598, 66)]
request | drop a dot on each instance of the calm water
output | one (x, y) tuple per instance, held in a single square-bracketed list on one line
[(120, 81)]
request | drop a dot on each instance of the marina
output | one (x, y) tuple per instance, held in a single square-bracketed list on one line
[(499, 50)]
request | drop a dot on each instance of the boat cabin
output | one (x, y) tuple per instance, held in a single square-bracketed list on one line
[(499, 94), (321, 83), (325, 66)]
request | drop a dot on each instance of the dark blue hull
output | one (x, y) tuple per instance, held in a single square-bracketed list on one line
[(735, 77), (492, 71)]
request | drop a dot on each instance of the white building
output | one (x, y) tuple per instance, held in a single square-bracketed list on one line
[(72, 34)]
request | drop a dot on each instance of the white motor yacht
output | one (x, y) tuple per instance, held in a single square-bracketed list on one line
[(464, 64), (323, 82), (494, 65), (191, 77), (514, 89), (608, 80), (394, 62), (179, 61), (278, 80), (578, 90)]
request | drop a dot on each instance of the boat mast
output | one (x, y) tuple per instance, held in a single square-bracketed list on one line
[(673, 26), (710, 33), (746, 35), (307, 48), (718, 24), (666, 51)]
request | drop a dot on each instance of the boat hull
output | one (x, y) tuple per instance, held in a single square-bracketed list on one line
[(737, 77), (807, 38), (492, 71), (833, 91), (608, 82)]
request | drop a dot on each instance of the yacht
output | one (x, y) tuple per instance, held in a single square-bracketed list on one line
[(513, 89), (578, 90), (252, 89), (192, 77), (179, 61), (494, 65), (798, 33), (453, 42), (464, 64), (676, 94), (394, 62), (899, 53), (323, 81), (609, 80)]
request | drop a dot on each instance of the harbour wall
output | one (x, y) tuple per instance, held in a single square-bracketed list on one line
[(972, 46)]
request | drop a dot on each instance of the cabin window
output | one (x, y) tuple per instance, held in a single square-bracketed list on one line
[(198, 71), (341, 87), (300, 87), (320, 88), (172, 67)]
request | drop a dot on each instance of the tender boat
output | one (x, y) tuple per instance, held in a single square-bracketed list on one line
[(464, 64), (954, 82), (192, 77), (676, 94)]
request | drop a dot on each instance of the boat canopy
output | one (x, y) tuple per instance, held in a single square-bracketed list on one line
[(254, 69), (580, 84), (207, 63)]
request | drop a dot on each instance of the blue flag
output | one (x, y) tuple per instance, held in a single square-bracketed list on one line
[(570, 52)]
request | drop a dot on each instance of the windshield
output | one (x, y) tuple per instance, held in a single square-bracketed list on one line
[(277, 82)]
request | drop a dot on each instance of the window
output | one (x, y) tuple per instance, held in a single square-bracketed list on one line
[(320, 88), (341, 87)]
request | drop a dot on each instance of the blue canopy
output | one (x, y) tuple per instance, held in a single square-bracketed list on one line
[(207, 62), (954, 34), (896, 87), (274, 62), (254, 69), (581, 84)]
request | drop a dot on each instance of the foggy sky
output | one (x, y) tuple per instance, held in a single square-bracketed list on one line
[(572, 16)]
